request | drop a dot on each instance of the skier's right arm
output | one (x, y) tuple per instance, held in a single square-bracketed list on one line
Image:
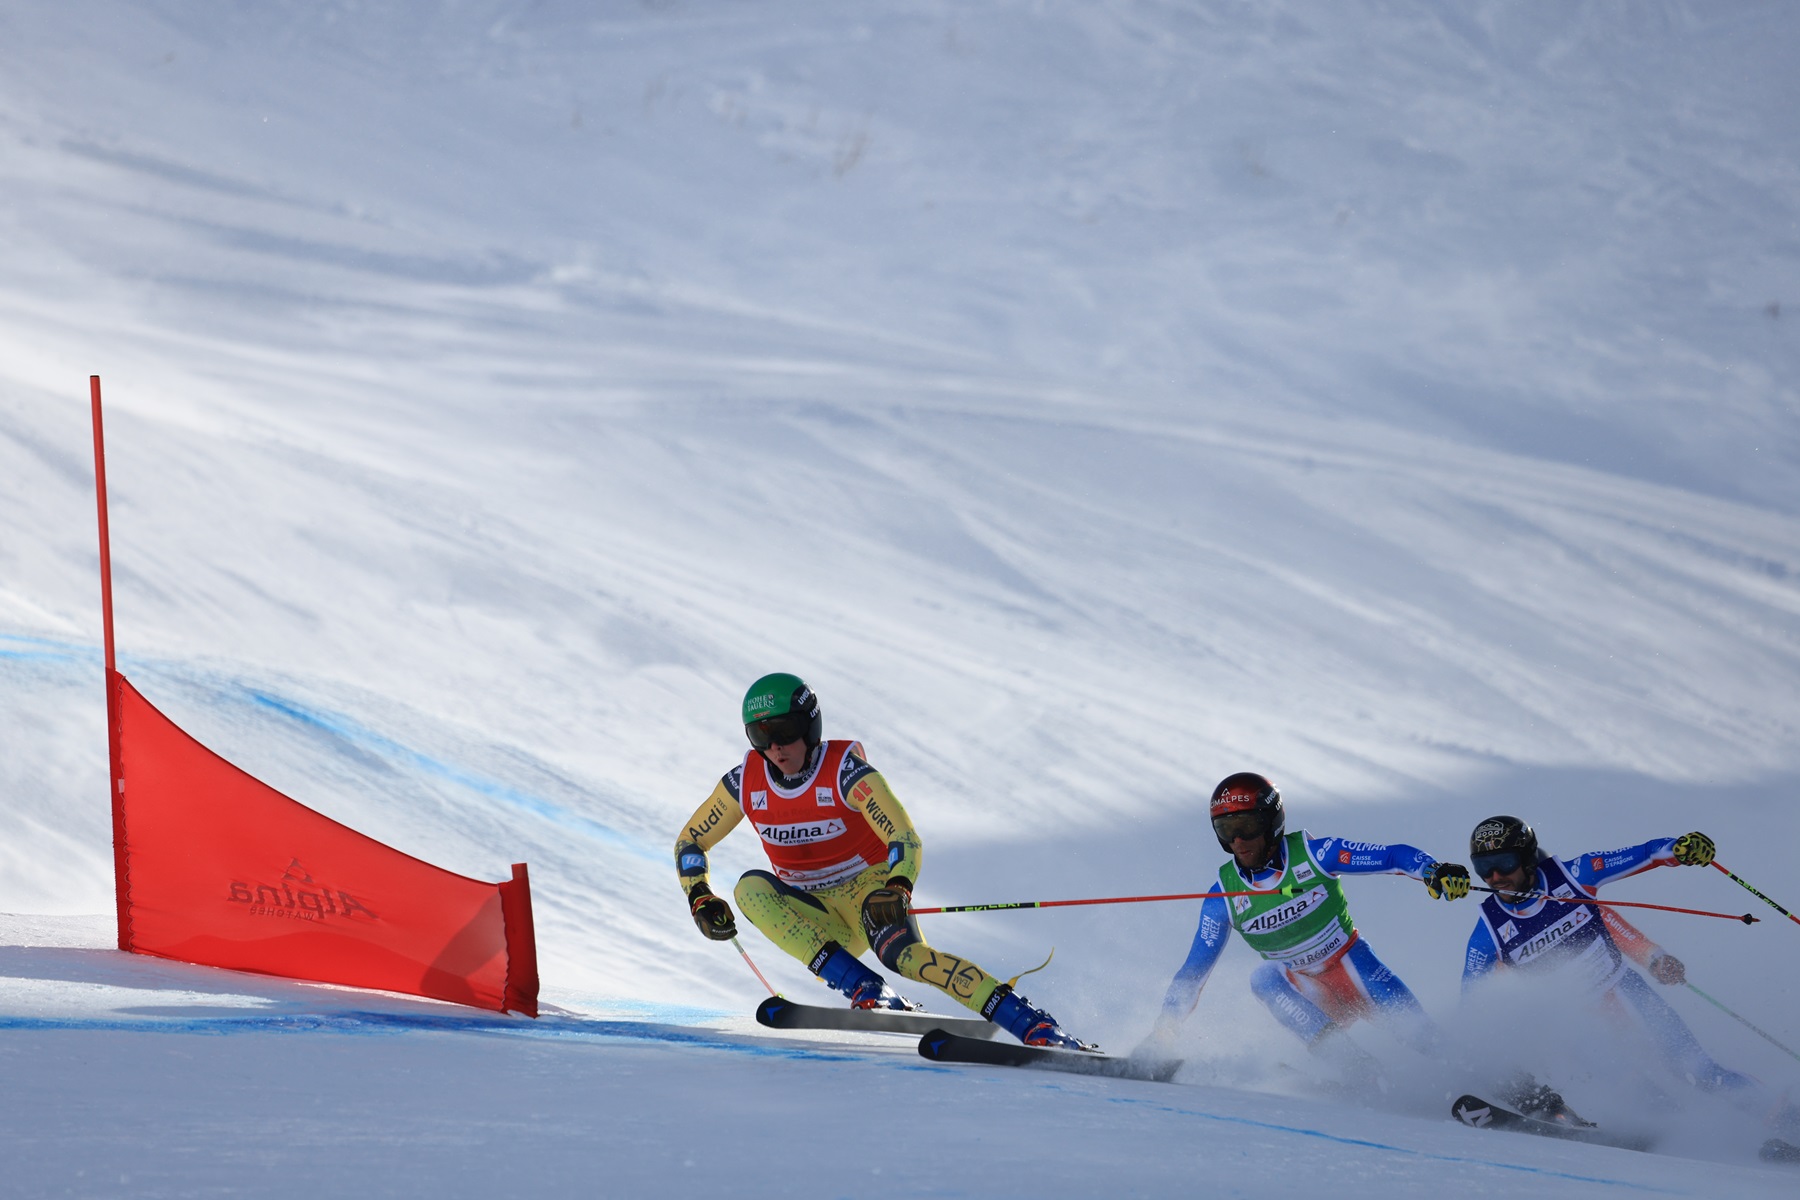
[(1184, 990), (718, 816), (1482, 956)]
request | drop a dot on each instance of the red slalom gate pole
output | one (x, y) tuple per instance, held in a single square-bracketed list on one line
[(106, 603), (121, 894), (1784, 912)]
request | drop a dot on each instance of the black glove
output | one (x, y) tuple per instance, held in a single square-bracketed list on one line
[(1694, 850), (712, 914), (1447, 881), (888, 904), (1668, 969)]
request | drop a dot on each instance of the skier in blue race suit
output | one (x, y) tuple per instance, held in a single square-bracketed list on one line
[(1534, 921), (1318, 974)]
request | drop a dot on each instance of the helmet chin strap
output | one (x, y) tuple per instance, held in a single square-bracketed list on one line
[(812, 757), (1276, 850)]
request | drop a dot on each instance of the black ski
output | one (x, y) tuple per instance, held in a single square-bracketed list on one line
[(1480, 1114), (1777, 1151), (778, 1012), (941, 1045)]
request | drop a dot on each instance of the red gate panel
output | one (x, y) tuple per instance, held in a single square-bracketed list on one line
[(220, 869)]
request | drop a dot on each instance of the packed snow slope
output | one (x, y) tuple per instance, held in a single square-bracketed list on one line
[(1089, 399)]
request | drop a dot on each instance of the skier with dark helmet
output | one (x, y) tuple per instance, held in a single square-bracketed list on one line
[(844, 857), (1534, 921), (1319, 974)]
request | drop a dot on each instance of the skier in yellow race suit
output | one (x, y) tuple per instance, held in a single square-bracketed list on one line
[(844, 857)]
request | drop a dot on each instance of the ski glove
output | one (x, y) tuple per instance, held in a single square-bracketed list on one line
[(887, 905), (1668, 969), (1693, 849), (1447, 881), (712, 914)]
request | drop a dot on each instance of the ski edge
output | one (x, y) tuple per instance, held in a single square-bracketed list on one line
[(1476, 1113), (946, 1046), (778, 1012)]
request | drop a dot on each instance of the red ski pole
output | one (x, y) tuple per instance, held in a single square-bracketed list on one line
[(964, 908), (752, 965), (1746, 918)]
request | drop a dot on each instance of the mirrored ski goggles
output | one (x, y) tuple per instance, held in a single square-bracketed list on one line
[(1501, 862), (1244, 825), (778, 731)]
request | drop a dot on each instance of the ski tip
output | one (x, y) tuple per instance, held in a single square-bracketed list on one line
[(768, 1012), (932, 1044), (1472, 1110)]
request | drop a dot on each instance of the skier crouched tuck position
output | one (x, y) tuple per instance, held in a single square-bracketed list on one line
[(1535, 921), (1318, 974), (844, 858)]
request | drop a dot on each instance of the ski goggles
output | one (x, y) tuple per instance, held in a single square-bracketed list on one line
[(1244, 825), (778, 731), (1500, 862)]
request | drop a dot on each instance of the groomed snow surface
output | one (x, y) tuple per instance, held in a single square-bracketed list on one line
[(1089, 399)]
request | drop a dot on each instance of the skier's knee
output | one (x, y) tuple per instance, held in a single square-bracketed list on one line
[(755, 884), (1269, 984), (891, 941), (752, 883), (1268, 980)]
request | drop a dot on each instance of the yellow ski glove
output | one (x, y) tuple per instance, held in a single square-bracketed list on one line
[(1447, 881), (1693, 850)]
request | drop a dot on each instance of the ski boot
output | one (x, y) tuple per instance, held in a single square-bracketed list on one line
[(1357, 1070), (1032, 1026), (1784, 1117), (877, 994), (842, 971), (1541, 1102)]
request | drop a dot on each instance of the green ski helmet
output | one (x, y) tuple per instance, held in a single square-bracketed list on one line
[(780, 708)]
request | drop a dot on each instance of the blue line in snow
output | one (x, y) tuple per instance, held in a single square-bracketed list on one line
[(1368, 1145), (47, 650), (379, 1024), (44, 650), (343, 727)]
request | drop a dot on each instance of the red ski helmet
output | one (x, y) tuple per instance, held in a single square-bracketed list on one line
[(1248, 792)]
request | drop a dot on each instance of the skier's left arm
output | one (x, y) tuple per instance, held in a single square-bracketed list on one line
[(866, 792), (1638, 946), (1604, 866), (1444, 880)]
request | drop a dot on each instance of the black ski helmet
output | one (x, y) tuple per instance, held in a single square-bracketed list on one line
[(1497, 835), (779, 706), (1249, 792)]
